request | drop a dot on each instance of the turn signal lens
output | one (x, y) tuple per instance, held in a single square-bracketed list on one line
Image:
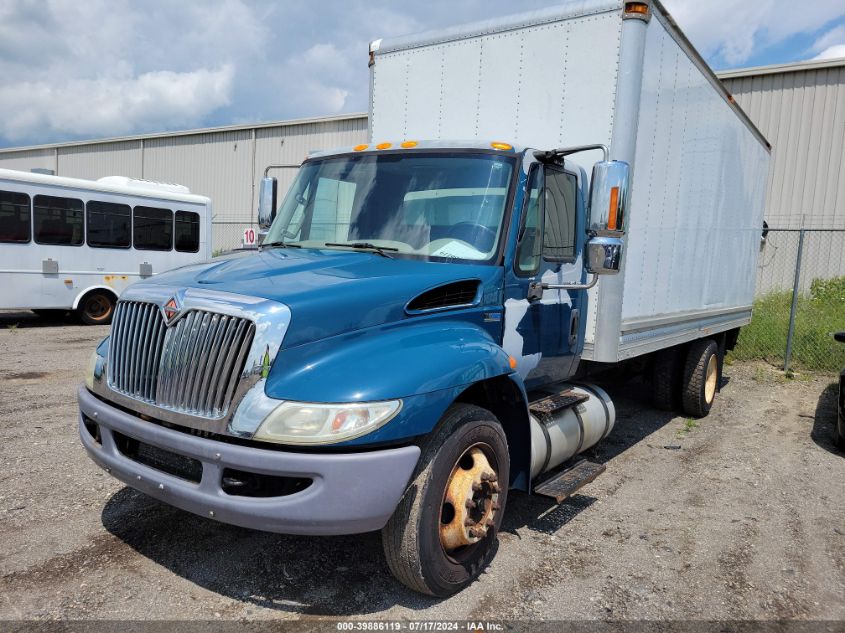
[(360, 148), (614, 207), (409, 144), (636, 8), (503, 146), (512, 362), (384, 145)]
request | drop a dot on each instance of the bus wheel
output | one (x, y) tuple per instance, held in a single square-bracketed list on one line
[(443, 533), (96, 308)]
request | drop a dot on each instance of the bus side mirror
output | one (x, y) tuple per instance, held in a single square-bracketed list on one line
[(267, 202)]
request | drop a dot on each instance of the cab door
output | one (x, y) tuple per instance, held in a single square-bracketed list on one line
[(544, 328)]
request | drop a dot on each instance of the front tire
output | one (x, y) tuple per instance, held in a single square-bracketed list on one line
[(444, 531)]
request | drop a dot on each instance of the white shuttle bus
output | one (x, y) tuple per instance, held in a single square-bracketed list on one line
[(72, 244)]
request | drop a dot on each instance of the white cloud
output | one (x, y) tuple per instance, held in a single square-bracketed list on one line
[(109, 106), (831, 44), (832, 52), (729, 31)]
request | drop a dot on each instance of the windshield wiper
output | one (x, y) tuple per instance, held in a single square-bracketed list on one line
[(278, 245), (365, 246)]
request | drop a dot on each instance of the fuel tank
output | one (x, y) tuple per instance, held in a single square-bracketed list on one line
[(557, 435)]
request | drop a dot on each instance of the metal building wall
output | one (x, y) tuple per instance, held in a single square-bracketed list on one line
[(101, 159), (27, 160), (801, 110)]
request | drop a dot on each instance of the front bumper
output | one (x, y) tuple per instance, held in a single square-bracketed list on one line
[(349, 494)]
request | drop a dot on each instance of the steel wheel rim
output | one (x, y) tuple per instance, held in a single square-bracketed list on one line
[(470, 503), (710, 379), (98, 307)]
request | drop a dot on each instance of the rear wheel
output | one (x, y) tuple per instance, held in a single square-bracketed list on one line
[(444, 531), (96, 308), (701, 377), (666, 378)]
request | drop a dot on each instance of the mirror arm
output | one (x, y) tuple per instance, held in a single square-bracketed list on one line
[(536, 288), (554, 154), (280, 166)]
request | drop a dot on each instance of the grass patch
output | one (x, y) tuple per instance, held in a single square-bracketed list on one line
[(689, 425), (819, 314)]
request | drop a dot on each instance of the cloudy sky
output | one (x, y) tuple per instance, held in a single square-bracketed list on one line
[(76, 69)]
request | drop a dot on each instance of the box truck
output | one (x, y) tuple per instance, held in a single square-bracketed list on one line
[(414, 337)]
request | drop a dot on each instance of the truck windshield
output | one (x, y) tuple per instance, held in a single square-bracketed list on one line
[(435, 206)]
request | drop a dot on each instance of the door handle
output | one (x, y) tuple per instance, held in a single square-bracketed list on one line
[(574, 322)]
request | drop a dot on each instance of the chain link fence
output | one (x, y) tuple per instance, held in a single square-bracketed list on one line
[(800, 296), (230, 235), (800, 301)]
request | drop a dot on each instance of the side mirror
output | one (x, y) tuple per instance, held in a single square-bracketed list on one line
[(604, 255), (840, 336), (608, 198), (267, 202)]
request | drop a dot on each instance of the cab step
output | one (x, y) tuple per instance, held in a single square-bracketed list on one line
[(568, 481), (554, 403)]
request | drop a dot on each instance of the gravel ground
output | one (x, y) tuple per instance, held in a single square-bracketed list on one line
[(746, 520)]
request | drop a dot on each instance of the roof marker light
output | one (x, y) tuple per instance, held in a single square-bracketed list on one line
[(503, 146), (360, 148), (384, 145), (409, 144)]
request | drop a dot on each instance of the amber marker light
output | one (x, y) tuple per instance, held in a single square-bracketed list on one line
[(503, 146), (360, 148), (614, 207), (512, 362), (409, 144), (384, 145), (636, 8)]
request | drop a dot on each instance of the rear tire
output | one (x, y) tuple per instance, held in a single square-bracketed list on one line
[(96, 308), (701, 377), (666, 379), (416, 536)]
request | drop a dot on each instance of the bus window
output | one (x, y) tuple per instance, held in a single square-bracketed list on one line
[(187, 236), (109, 225), (58, 221), (153, 229), (14, 217)]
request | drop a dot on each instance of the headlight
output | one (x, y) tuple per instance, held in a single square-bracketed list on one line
[(307, 423), (92, 367)]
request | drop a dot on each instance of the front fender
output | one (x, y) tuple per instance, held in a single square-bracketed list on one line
[(387, 362)]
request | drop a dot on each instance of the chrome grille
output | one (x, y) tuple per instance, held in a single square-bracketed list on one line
[(192, 366)]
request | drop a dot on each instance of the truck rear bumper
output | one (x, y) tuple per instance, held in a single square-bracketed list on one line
[(347, 494)]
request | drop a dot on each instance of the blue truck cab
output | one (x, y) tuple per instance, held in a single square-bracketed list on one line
[(402, 291), (402, 349)]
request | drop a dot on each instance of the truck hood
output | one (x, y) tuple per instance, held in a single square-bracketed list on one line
[(329, 292)]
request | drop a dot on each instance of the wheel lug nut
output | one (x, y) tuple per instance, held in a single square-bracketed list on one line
[(470, 504), (469, 522), (476, 487)]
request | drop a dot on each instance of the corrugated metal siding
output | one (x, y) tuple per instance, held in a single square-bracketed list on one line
[(218, 165), (803, 116), (104, 159), (27, 160)]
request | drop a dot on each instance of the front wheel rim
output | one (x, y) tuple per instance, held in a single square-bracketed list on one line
[(711, 375), (98, 308), (470, 503)]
